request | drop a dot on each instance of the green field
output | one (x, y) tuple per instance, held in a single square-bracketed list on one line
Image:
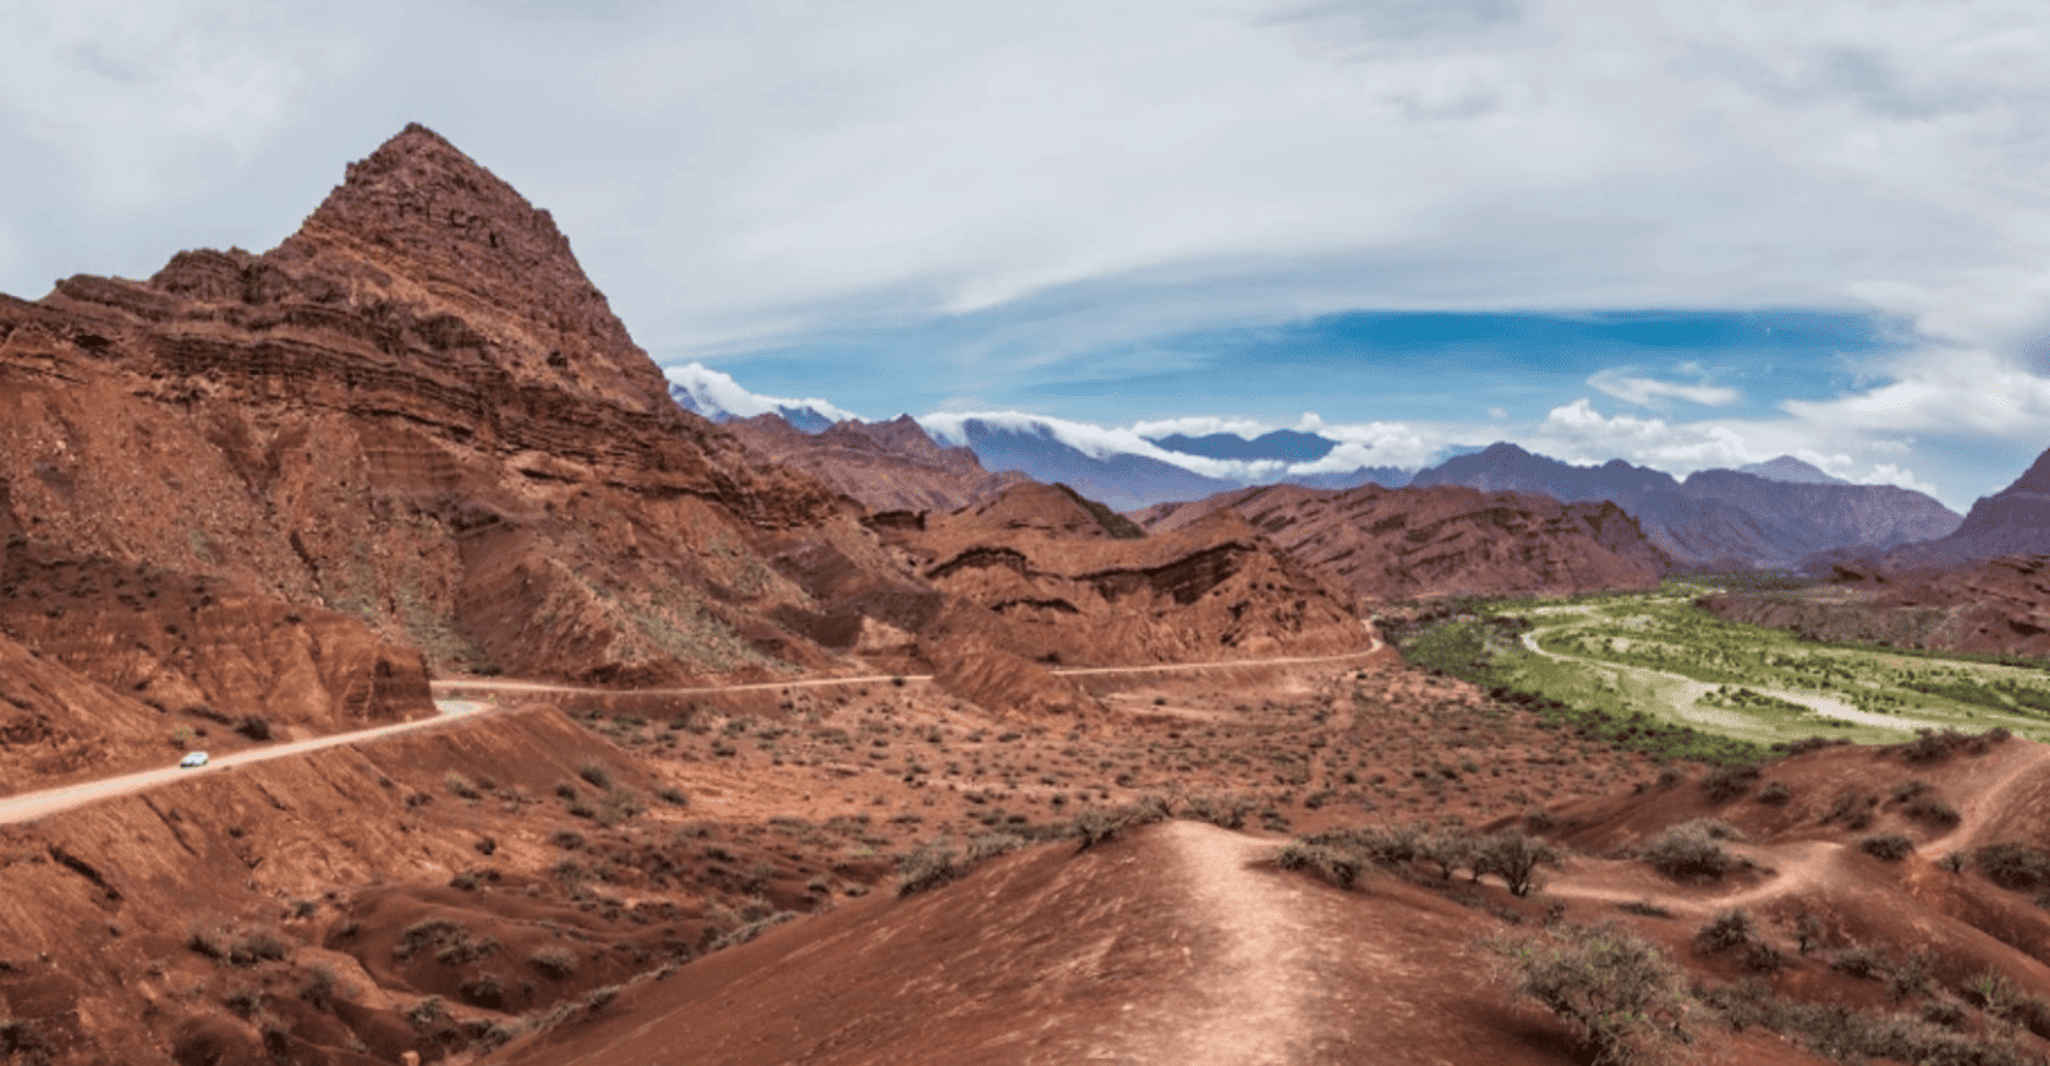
[(1654, 671)]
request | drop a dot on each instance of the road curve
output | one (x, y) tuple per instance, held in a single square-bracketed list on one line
[(32, 805)]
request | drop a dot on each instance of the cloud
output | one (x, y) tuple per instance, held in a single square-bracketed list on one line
[(1648, 392), (1942, 390), (716, 392)]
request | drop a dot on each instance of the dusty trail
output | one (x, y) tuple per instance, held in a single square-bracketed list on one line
[(33, 805), (1253, 1005)]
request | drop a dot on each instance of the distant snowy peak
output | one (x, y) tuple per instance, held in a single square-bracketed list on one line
[(716, 396), (1789, 469)]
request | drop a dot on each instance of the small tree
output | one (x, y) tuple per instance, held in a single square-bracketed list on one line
[(1514, 856), (1620, 991)]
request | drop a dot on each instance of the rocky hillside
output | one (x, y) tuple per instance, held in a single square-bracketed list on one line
[(1383, 544), (885, 466), (1715, 519), (417, 412), (1073, 583)]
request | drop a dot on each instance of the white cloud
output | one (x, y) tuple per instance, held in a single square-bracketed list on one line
[(717, 392), (1648, 392), (1200, 426), (1942, 391)]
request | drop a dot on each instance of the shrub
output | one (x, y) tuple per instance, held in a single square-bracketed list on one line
[(1514, 857), (1727, 783), (926, 867), (1730, 929), (253, 727), (1763, 958), (597, 773), (428, 933), (2014, 865), (1933, 811), (19, 1036), (1859, 961), (1228, 812), (1887, 847), (257, 947), (486, 990), (1645, 908), (1687, 852), (673, 796), (1340, 866), (1621, 992), (556, 962), (319, 988), (1774, 794)]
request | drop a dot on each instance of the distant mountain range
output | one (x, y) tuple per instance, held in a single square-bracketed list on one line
[(1718, 519), (1766, 515)]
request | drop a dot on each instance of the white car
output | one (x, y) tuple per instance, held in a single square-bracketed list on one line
[(197, 758)]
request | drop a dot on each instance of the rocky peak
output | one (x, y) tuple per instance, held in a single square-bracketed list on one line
[(424, 226), (2035, 479)]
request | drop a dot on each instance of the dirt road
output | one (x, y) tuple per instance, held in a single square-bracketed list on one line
[(33, 805)]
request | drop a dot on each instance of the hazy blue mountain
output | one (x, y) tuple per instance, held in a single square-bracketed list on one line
[(1285, 444), (1789, 469)]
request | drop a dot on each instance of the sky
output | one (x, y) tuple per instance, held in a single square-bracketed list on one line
[(1679, 233)]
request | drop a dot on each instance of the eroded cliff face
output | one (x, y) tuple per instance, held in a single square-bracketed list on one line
[(1382, 544), (884, 466), (1067, 590), (416, 412)]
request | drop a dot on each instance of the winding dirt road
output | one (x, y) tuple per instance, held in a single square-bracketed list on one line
[(32, 805)]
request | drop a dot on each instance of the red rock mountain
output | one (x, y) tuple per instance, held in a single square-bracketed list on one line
[(885, 466), (1072, 583), (416, 411), (1384, 544)]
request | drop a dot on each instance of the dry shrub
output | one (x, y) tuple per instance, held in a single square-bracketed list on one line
[(1621, 992)]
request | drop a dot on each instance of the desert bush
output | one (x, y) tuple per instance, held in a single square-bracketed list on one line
[(1619, 991), (1887, 847), (486, 990), (556, 962), (1729, 929), (1762, 958), (673, 796), (1774, 794), (597, 773), (1687, 852), (19, 1037), (1644, 907), (253, 727), (459, 785), (1728, 782), (2013, 865), (1837, 1032), (1933, 811), (1514, 857), (1933, 746), (1860, 962), (926, 867), (319, 988), (1338, 865), (1228, 812), (211, 943), (427, 933), (1095, 826)]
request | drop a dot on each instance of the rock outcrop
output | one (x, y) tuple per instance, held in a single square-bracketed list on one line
[(885, 466), (1075, 584), (1385, 544)]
